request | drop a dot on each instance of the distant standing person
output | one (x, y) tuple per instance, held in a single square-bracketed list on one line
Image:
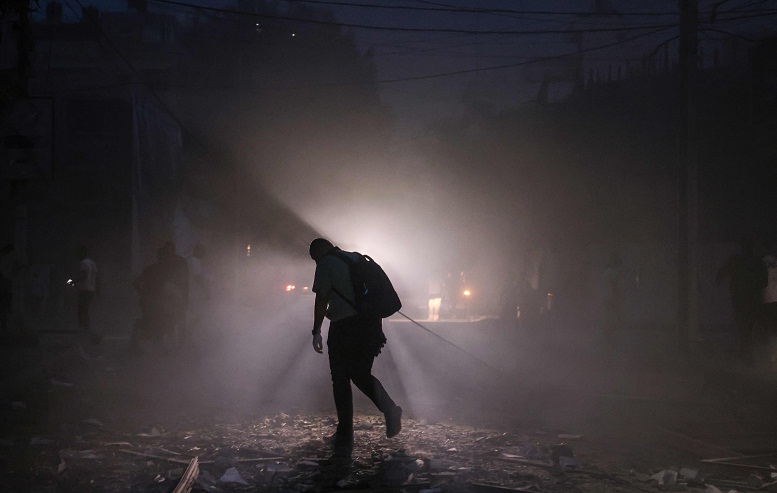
[(434, 284), (178, 273), (768, 319), (86, 285), (448, 302), (199, 291), (747, 278), (353, 343)]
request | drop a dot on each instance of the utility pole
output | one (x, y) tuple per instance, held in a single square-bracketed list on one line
[(688, 200), (16, 149)]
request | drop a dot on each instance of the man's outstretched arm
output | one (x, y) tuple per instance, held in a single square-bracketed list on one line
[(319, 312)]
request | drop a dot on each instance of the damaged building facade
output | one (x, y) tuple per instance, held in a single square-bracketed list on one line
[(91, 157)]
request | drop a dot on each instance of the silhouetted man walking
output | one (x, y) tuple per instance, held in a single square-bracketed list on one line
[(353, 342)]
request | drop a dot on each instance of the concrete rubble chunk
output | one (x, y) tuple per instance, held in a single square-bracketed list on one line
[(231, 475), (667, 477)]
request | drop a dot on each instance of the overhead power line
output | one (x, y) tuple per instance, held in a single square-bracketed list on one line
[(471, 10), (413, 29), (656, 30), (518, 64)]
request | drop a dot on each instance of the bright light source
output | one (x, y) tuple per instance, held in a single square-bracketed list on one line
[(248, 250), (290, 288), (467, 292)]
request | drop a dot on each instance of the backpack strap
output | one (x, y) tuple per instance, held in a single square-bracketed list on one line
[(348, 262)]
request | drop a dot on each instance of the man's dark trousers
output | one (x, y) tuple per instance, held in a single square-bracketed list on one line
[(83, 302), (353, 343)]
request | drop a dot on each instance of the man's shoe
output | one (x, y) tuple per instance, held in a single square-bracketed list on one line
[(393, 422), (342, 444)]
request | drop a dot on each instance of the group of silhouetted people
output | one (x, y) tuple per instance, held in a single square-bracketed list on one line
[(446, 296)]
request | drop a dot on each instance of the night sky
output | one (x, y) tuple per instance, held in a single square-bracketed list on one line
[(431, 56)]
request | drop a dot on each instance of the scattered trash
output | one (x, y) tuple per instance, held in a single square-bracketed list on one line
[(567, 462), (642, 477), (770, 487), (120, 444), (526, 451), (667, 477), (232, 476), (755, 481), (89, 454), (561, 450), (160, 450), (441, 464), (438, 457), (207, 482), (395, 472), (305, 488), (278, 467), (352, 483), (500, 488), (154, 433)]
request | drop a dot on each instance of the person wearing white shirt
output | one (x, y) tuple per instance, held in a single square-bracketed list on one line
[(86, 285)]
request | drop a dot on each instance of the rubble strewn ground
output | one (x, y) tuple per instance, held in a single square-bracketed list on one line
[(87, 419)]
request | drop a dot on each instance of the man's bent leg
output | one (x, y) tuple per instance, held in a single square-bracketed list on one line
[(83, 300), (371, 387), (341, 381)]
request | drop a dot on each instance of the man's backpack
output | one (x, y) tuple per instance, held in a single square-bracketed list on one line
[(374, 293)]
